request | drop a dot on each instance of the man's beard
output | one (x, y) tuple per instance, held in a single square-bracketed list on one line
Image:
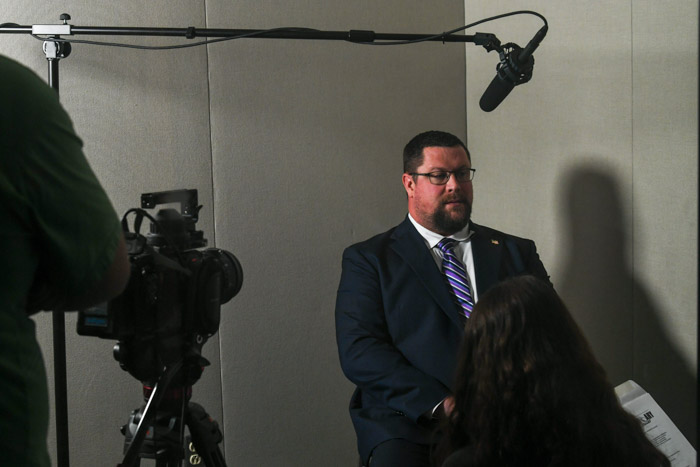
[(450, 224)]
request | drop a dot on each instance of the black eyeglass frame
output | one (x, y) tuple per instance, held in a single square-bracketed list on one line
[(431, 175)]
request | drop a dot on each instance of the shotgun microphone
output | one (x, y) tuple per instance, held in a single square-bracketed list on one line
[(514, 68)]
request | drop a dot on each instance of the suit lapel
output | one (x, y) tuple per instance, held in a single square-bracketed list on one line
[(487, 259), (408, 244)]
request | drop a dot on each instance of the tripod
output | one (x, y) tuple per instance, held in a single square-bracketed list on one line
[(156, 430)]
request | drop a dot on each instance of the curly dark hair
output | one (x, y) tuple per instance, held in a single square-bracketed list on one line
[(529, 391)]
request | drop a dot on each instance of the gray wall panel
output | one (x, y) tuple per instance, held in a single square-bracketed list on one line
[(596, 159), (665, 118), (307, 140), (536, 151)]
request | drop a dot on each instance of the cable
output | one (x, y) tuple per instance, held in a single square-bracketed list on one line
[(283, 29), (462, 28), (171, 47)]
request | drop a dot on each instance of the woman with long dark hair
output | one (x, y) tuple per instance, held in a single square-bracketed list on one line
[(529, 392)]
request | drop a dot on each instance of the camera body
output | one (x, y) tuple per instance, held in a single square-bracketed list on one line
[(172, 303)]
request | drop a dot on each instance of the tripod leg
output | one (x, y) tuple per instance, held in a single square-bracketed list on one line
[(132, 453), (205, 435)]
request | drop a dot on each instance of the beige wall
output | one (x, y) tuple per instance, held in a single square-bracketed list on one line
[(295, 148), (596, 159)]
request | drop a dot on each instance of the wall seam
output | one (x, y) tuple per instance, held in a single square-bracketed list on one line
[(633, 265), (466, 82), (211, 138), (222, 424)]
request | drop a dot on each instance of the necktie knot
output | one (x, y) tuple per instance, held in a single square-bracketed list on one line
[(446, 245)]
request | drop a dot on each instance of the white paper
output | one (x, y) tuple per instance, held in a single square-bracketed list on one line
[(662, 432)]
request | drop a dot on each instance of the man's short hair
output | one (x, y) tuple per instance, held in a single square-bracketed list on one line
[(413, 152)]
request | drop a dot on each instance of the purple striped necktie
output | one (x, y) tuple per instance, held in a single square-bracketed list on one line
[(456, 275)]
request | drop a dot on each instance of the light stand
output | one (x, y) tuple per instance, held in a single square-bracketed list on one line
[(55, 51)]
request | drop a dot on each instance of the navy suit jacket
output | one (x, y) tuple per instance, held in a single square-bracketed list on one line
[(398, 329)]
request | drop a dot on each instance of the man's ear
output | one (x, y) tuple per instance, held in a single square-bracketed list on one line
[(409, 184)]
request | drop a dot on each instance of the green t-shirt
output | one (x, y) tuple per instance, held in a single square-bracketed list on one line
[(57, 227)]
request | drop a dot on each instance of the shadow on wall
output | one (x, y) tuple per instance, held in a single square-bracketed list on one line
[(616, 313)]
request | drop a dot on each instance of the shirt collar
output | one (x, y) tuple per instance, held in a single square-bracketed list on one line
[(433, 238)]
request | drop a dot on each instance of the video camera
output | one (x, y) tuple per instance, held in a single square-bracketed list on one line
[(172, 303)]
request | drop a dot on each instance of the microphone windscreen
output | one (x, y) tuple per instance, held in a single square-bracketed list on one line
[(495, 93)]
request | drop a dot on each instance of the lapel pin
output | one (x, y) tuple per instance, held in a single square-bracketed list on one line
[(495, 242)]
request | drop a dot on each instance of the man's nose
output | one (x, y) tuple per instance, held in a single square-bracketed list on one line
[(452, 184)]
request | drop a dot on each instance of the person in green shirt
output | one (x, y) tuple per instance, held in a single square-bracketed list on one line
[(61, 246)]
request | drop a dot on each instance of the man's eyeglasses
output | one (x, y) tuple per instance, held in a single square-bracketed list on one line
[(441, 177)]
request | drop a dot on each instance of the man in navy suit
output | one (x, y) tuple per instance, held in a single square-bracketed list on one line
[(397, 325)]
